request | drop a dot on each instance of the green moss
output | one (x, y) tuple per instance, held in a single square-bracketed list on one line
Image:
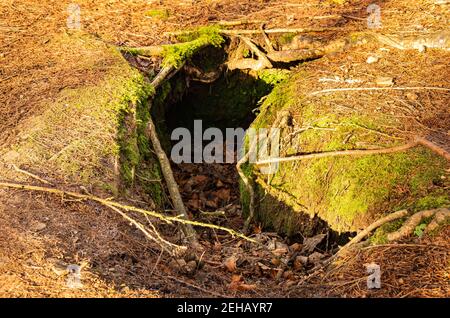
[(175, 55), (380, 235), (346, 192), (93, 134), (432, 202), (273, 76), (161, 14), (286, 38)]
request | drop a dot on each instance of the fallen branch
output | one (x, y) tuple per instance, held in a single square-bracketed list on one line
[(164, 162), (108, 203), (238, 22), (439, 218), (289, 56), (172, 186)]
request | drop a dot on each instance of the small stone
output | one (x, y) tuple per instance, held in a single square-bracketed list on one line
[(372, 59), (11, 156), (289, 283), (275, 261), (288, 275), (280, 251), (58, 266)]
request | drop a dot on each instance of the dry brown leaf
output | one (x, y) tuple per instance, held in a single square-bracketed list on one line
[(230, 264)]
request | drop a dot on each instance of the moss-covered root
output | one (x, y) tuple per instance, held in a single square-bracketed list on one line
[(175, 55), (440, 215)]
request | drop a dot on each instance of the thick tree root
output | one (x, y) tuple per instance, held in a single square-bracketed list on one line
[(248, 63), (409, 226), (197, 75), (361, 235)]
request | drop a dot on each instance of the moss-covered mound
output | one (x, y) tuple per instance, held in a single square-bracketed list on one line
[(348, 192), (91, 134)]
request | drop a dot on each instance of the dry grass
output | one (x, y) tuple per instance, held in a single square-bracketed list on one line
[(412, 268)]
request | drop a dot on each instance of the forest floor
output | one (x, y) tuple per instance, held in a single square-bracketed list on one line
[(41, 233)]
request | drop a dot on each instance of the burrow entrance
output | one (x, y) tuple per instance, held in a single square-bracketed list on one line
[(205, 91)]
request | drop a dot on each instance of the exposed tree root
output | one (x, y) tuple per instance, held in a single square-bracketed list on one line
[(269, 44), (440, 217), (248, 183), (339, 154), (410, 225), (197, 75), (150, 51), (361, 235), (249, 63)]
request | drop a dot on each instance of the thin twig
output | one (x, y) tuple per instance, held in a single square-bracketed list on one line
[(30, 174), (440, 151), (269, 31), (171, 248), (167, 219)]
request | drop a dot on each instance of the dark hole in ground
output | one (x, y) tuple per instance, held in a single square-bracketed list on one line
[(230, 101)]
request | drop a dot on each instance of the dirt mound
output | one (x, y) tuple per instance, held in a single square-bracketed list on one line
[(340, 103)]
